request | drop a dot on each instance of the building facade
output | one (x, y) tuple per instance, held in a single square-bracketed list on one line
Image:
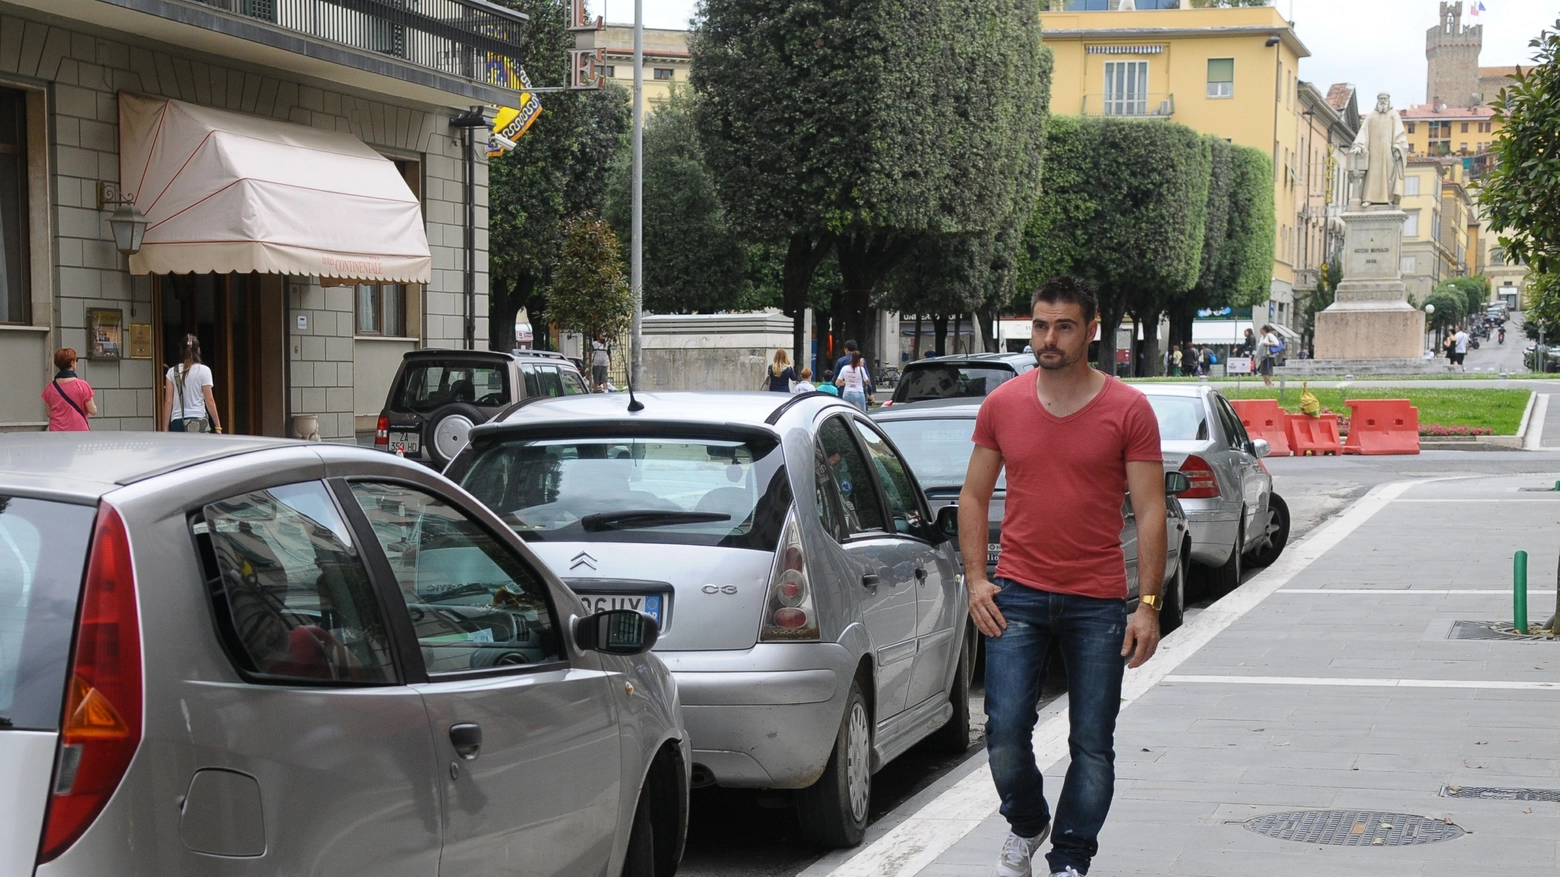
[(1325, 132), (292, 320), (1229, 72), (666, 59), (1441, 234)]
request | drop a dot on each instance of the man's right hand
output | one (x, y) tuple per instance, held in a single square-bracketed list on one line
[(983, 608)]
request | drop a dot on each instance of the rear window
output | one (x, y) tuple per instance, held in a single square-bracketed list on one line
[(938, 450), (670, 490), (1180, 418), (547, 379), (43, 548), (950, 381), (426, 386)]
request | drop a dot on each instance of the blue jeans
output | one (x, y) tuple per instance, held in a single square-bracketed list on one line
[(856, 398), (1089, 632)]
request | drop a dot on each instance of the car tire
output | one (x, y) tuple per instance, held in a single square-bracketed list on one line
[(1222, 580), (1272, 543), (833, 811), (953, 738), (1175, 594), (639, 859), (447, 429)]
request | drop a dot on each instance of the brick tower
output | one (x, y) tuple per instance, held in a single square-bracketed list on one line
[(1452, 51)]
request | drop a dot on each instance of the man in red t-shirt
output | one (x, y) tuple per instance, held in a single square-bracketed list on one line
[(1073, 441)]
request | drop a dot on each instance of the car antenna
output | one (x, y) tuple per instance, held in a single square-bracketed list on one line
[(633, 404)]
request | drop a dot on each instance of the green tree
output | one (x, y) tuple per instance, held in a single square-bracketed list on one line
[(1320, 298), (1476, 289), (588, 293), (1519, 194), (558, 168), (1543, 311), (694, 261), (1451, 306), (862, 128)]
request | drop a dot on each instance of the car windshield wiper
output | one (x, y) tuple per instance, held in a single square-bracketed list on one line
[(635, 518)]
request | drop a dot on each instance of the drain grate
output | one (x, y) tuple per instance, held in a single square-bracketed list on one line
[(1353, 828), (1488, 794), (1493, 630)]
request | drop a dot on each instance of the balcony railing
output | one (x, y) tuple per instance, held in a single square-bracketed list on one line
[(1146, 105), (473, 39)]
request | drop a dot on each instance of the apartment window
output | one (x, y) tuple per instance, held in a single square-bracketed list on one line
[(1411, 184), (1435, 225), (1126, 88), (1407, 265), (1410, 127), (15, 271), (1221, 77), (381, 309), (1465, 127), (1497, 257), (608, 71), (663, 73), (1462, 147), (1411, 226)]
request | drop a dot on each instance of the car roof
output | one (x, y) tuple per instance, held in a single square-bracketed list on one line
[(714, 408), (452, 353), (88, 464), (1169, 389), (1017, 359), (939, 408)]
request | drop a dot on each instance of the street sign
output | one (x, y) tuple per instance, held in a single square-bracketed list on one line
[(1237, 365)]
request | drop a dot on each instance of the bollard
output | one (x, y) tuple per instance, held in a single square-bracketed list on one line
[(1519, 592)]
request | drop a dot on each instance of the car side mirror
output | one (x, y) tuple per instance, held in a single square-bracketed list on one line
[(948, 521), (616, 632), (1260, 448), (1176, 483)]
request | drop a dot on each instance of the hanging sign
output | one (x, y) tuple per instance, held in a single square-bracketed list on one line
[(510, 123)]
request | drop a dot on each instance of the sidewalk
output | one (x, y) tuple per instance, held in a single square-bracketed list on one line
[(1328, 682)]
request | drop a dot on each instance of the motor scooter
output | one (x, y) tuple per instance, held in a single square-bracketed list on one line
[(1501, 336)]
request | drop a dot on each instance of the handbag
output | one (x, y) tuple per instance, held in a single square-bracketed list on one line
[(72, 403)]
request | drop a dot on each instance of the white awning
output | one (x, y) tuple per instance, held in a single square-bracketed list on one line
[(225, 192)]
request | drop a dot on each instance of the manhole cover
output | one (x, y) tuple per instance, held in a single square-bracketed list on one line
[(1494, 630), (1353, 828), (1500, 794)]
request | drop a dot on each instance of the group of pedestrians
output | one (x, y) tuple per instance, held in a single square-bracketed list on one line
[(849, 379), (187, 404)]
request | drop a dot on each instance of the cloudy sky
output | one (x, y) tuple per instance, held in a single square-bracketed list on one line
[(1379, 45)]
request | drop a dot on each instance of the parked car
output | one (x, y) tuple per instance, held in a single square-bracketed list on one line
[(233, 655), (811, 610), (935, 438), (1235, 517), (439, 395), (958, 377)]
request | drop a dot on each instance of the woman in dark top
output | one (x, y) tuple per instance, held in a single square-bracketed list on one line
[(780, 372)]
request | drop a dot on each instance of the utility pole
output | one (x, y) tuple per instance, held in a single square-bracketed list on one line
[(636, 257)]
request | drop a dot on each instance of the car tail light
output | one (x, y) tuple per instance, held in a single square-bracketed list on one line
[(1204, 484), (382, 433), (102, 723), (789, 615)]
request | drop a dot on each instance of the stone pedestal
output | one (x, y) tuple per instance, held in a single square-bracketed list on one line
[(1371, 319)]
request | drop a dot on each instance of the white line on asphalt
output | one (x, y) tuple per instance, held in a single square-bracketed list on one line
[(1499, 592), (1369, 683), (915, 843), (1527, 412), (1535, 434), (1465, 501)]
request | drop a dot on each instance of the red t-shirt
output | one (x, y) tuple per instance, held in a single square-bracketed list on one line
[(62, 417), (1066, 481)]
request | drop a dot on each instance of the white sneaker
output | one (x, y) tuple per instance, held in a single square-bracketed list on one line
[(1017, 853), (1070, 871)]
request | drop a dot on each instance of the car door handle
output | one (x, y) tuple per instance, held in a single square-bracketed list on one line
[(467, 739), (870, 580)]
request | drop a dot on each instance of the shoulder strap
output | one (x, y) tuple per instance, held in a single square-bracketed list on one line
[(71, 402)]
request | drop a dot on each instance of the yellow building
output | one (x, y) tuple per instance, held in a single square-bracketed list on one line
[(666, 58), (1232, 73), (1441, 237)]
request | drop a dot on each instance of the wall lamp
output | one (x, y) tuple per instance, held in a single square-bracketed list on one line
[(126, 222), (1271, 42)]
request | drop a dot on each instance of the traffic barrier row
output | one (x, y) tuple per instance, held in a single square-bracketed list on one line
[(1382, 426), (1376, 426), (1264, 419)]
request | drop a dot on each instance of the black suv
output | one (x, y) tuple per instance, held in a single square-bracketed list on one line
[(439, 395), (958, 377)]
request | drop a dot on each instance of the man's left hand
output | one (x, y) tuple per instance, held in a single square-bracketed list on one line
[(1142, 638)]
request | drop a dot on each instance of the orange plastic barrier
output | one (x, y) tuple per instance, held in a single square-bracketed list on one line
[(1314, 435), (1382, 426), (1263, 419)]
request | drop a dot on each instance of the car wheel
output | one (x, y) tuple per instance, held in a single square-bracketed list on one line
[(833, 811), (1175, 595), (639, 860), (1224, 579), (1272, 542), (954, 737), (448, 429)]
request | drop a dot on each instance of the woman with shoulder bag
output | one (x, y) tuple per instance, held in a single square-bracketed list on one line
[(68, 397), (188, 405)]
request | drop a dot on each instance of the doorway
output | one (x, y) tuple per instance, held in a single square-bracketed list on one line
[(240, 320)]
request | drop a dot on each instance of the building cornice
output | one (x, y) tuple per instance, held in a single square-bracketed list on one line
[(1167, 33)]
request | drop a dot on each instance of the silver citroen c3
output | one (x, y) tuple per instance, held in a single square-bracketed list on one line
[(810, 607)]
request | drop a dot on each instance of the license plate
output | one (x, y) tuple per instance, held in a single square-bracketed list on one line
[(407, 442), (649, 604)]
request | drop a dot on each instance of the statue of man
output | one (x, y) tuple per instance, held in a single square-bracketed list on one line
[(1384, 143)]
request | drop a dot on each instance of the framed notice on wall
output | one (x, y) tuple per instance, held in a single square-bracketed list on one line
[(140, 341), (105, 333)]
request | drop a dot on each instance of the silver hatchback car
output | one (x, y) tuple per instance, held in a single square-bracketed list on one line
[(248, 656), (811, 610)]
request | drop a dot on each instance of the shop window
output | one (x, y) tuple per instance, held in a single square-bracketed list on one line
[(381, 309), (1221, 77), (15, 270), (663, 73)]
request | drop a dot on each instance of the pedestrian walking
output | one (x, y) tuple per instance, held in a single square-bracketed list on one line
[(188, 405), (805, 385), (1073, 441), (780, 374), (600, 359), (841, 362), (68, 397), (1175, 360), (1248, 345), (827, 384), (1460, 349), (854, 382), (1268, 348)]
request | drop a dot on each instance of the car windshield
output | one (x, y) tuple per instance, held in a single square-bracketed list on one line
[(691, 491), (426, 386), (950, 381), (1180, 418), (937, 449)]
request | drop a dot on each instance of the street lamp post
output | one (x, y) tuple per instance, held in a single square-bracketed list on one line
[(637, 223)]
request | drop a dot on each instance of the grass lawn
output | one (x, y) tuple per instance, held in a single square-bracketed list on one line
[(1499, 410)]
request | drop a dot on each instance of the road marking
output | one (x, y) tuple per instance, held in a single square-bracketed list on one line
[(1527, 413), (915, 843), (1534, 439), (1462, 501), (1369, 683), (1502, 592)]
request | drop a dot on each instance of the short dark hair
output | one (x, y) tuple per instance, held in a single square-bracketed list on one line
[(850, 345), (1067, 289)]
